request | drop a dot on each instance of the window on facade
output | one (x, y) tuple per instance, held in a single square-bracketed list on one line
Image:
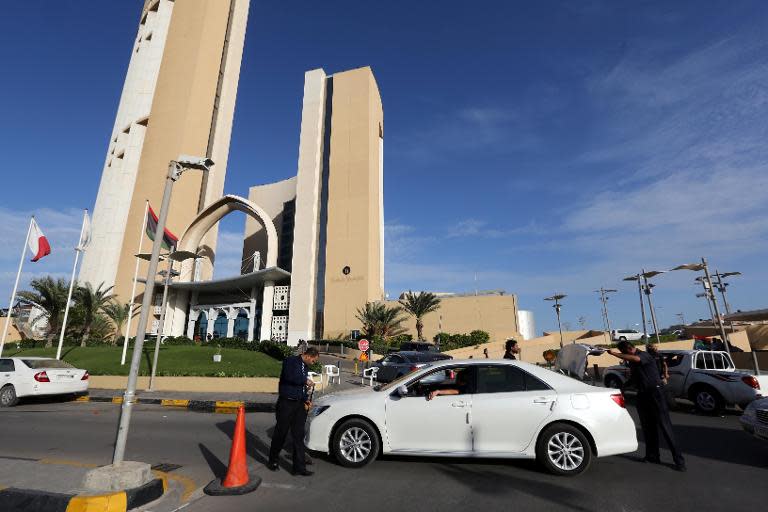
[(241, 325), (220, 326)]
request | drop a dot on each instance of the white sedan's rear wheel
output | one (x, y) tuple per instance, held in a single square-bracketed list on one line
[(8, 396), (563, 450), (355, 443)]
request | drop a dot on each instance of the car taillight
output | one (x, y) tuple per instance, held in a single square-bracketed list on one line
[(85, 376), (750, 381), (42, 377), (414, 368), (619, 399)]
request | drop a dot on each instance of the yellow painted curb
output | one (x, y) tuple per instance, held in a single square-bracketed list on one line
[(85, 398), (188, 485), (230, 405), (117, 502), (174, 403), (117, 399), (62, 462)]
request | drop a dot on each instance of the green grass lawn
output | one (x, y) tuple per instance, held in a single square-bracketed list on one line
[(172, 361)]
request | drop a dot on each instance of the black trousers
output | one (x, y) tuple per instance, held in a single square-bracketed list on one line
[(654, 416), (291, 415)]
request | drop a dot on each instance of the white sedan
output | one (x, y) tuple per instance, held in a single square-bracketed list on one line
[(36, 376), (475, 408)]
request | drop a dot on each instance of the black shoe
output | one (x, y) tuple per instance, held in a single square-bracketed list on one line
[(272, 466), (303, 472)]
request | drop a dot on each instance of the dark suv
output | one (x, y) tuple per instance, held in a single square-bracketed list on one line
[(399, 363), (417, 346)]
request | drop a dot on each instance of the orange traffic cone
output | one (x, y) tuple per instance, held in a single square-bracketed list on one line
[(237, 480)]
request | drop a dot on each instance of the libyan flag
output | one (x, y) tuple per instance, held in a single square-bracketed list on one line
[(169, 239)]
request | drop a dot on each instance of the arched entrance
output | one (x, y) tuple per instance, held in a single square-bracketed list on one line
[(201, 327)]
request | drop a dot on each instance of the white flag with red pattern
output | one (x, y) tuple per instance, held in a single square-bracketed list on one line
[(37, 242)]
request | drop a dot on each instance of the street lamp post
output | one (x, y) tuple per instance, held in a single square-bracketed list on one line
[(604, 299), (556, 298), (638, 278), (175, 169), (168, 274), (648, 290)]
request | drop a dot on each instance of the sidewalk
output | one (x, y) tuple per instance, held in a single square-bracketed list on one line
[(219, 401), (47, 485)]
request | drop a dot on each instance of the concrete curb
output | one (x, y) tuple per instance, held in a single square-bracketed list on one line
[(215, 406), (31, 500)]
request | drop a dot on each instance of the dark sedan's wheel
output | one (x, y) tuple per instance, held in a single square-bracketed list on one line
[(563, 450), (8, 396), (611, 381), (355, 443)]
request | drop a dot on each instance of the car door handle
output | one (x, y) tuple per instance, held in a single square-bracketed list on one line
[(543, 400), (458, 404)]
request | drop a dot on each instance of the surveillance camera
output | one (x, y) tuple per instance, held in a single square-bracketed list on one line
[(195, 162)]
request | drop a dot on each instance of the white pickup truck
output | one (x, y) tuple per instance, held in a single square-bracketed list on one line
[(708, 379)]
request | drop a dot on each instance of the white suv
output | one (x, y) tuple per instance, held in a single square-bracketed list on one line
[(627, 335)]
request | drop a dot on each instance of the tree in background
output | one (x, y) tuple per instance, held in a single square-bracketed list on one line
[(381, 321), (91, 302), (419, 305), (118, 314), (51, 295)]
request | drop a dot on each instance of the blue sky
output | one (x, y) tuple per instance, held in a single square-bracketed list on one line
[(537, 148)]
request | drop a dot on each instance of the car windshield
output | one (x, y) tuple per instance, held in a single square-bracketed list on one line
[(36, 364), (398, 380)]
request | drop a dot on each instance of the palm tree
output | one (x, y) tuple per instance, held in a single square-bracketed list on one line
[(51, 295), (91, 302), (419, 305), (380, 320), (118, 313)]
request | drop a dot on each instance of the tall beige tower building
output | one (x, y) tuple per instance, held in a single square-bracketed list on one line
[(329, 218), (178, 98)]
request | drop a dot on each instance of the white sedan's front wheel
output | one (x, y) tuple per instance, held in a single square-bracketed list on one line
[(355, 443), (8, 396), (563, 450)]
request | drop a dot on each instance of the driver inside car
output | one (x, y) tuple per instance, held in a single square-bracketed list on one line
[(461, 387)]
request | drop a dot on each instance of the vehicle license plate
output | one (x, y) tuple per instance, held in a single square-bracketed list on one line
[(66, 377), (761, 431)]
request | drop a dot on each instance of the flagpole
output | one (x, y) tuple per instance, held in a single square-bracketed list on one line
[(71, 286), (15, 287), (133, 289)]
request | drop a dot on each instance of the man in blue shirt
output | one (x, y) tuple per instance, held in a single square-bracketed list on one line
[(291, 411), (651, 403)]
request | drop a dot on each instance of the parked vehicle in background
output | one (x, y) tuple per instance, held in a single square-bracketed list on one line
[(755, 419), (485, 408), (709, 379), (37, 376), (572, 360), (627, 335), (418, 346), (397, 364)]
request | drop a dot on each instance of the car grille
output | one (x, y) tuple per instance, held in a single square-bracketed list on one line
[(762, 415)]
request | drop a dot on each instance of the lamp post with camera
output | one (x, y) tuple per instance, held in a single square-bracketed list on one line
[(175, 170), (556, 298)]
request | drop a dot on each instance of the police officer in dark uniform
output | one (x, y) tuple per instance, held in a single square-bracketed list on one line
[(291, 410), (651, 403)]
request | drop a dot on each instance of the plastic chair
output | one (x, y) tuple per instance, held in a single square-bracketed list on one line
[(370, 374), (316, 377), (331, 372)]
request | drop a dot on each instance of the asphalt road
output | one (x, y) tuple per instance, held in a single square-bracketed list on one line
[(727, 468)]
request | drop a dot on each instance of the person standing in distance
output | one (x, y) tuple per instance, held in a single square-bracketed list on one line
[(651, 403), (291, 411), (511, 348)]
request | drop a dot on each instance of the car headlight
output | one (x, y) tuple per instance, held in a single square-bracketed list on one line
[(318, 410)]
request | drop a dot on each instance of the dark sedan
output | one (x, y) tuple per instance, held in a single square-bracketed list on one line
[(399, 363)]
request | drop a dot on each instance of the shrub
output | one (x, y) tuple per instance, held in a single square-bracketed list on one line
[(278, 351), (177, 340), (454, 341)]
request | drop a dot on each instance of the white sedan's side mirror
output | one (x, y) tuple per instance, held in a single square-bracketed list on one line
[(402, 391)]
